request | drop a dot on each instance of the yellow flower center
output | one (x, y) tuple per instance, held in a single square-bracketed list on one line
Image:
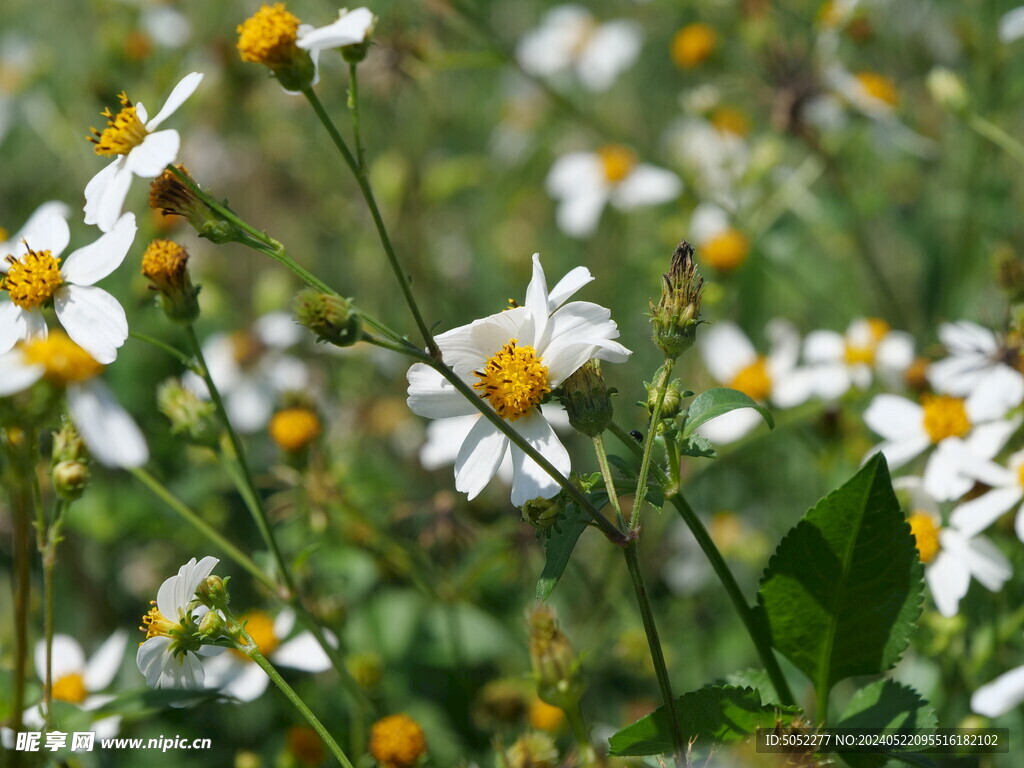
[(617, 162), (294, 428), (1020, 473), (829, 15), (397, 741), (944, 416), (155, 624), (260, 628), (544, 716), (693, 44), (878, 87), (63, 361), (4, 234), (754, 381), (730, 120), (864, 352), (70, 688), (725, 251), (926, 535), (164, 263), (123, 133), (514, 380), (33, 279), (269, 36)]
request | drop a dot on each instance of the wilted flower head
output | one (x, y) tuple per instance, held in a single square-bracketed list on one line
[(674, 319)]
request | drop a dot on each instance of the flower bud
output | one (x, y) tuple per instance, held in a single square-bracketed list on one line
[(947, 89), (213, 592), (587, 399), (332, 318), (211, 626), (165, 265), (270, 37), (193, 418), (70, 479), (556, 666), (673, 399), (542, 513), (532, 750), (173, 197), (674, 319), (68, 444)]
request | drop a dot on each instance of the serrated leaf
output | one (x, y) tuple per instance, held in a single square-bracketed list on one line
[(711, 714), (558, 547), (717, 402), (884, 704), (697, 446), (842, 592)]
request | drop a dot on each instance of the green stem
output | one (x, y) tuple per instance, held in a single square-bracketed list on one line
[(353, 103), (173, 351), (364, 185), (579, 731), (609, 480), (49, 556), (654, 643), (652, 432), (21, 503), (989, 130), (760, 639)]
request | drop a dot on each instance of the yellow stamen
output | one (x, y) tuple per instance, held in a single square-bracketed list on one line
[(33, 279), (862, 349), (1020, 473), (260, 628), (878, 87), (926, 535), (693, 44), (725, 251), (70, 688), (397, 741), (617, 162), (123, 133), (164, 263), (269, 36), (730, 120), (155, 624), (514, 380), (944, 416), (63, 361), (754, 381), (294, 428), (545, 717)]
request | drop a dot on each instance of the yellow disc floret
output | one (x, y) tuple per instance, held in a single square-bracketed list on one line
[(70, 688), (294, 428), (944, 416), (123, 133), (693, 44), (926, 535), (63, 361), (32, 279), (617, 162), (397, 741), (878, 87), (260, 627), (725, 251), (155, 624), (514, 380), (754, 380), (269, 36), (164, 263), (730, 120)]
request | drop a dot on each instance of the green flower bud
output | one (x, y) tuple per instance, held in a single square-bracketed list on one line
[(367, 669), (190, 416), (542, 513), (947, 89), (211, 626), (673, 399), (556, 667), (532, 750), (332, 318), (674, 319), (68, 444), (212, 592), (173, 197), (70, 479), (587, 399)]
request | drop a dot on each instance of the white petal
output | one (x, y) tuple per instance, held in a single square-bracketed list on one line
[(106, 727), (67, 659), (646, 185), (284, 623), (107, 429), (528, 480), (896, 351), (479, 457), (611, 49), (730, 426), (196, 575), (824, 347), (302, 652), (895, 418), (831, 381), (444, 438), (998, 391), (247, 684), (785, 342), (94, 262), (284, 372), (156, 151), (537, 298), (794, 387), (957, 375), (350, 28), (1005, 692), (948, 580), (976, 515), (249, 404), (707, 221), (726, 351), (899, 452), (943, 477), (988, 439), (150, 659), (13, 326), (105, 662), (185, 88), (45, 230), (278, 330), (566, 287), (432, 396), (578, 213), (1011, 25), (93, 319), (965, 338), (575, 172), (105, 194), (15, 374), (552, 46), (987, 564)]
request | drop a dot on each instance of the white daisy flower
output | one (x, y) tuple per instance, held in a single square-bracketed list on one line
[(141, 151), (840, 361), (34, 278), (514, 359), (108, 430), (1001, 695), (584, 182), (251, 368), (956, 426), (169, 656), (1007, 491), (569, 40), (732, 360), (352, 28), (77, 681), (238, 676), (713, 160), (950, 554), (975, 353)]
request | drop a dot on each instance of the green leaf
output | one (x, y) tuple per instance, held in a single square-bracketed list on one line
[(719, 401), (711, 714), (697, 446), (884, 704), (558, 547), (842, 592)]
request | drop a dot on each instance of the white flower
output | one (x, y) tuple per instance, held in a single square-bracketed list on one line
[(107, 429), (951, 555), (351, 28), (570, 40), (166, 26), (77, 681), (34, 277), (515, 358), (584, 182), (732, 360), (713, 160), (841, 361), (909, 429), (140, 152), (238, 676), (169, 657), (1007, 491), (1001, 695), (1011, 25), (975, 354), (250, 369)]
